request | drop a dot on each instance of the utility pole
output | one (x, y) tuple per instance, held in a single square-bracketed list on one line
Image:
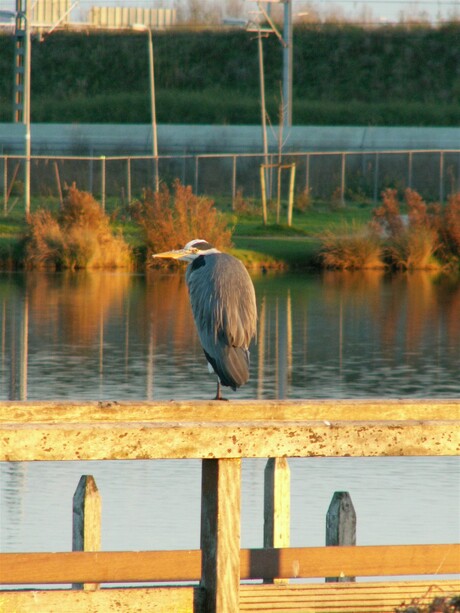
[(287, 63), (21, 102)]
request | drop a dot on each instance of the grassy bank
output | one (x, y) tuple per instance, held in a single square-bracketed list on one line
[(255, 244), (404, 232), (342, 75)]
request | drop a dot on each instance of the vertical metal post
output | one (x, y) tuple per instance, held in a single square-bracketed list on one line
[(22, 86), (409, 178), (291, 195), (441, 177), (287, 63), (103, 182), (234, 182), (342, 180), (262, 101), (153, 109), (196, 174), (307, 174), (5, 185), (376, 177), (264, 194), (128, 179)]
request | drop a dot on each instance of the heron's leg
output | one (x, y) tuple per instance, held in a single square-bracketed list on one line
[(218, 393)]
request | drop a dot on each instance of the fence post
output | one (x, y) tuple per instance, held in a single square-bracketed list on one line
[(264, 193), (5, 185), (220, 534), (409, 171), (340, 526), (128, 179), (277, 507), (86, 526), (441, 177), (376, 177), (58, 183), (234, 182), (103, 181), (342, 180), (307, 174), (196, 174), (291, 195)]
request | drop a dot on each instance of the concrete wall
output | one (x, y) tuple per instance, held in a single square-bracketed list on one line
[(107, 139)]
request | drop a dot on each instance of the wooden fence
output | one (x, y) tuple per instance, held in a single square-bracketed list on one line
[(221, 434)]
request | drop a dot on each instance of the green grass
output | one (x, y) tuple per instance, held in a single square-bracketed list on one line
[(278, 251)]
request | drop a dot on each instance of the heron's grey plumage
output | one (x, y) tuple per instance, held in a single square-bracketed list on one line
[(224, 307)]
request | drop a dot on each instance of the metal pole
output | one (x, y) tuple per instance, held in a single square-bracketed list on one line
[(26, 119), (441, 177), (287, 64), (262, 99), (153, 109), (342, 181)]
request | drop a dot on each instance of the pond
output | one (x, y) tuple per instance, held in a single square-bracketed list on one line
[(117, 335)]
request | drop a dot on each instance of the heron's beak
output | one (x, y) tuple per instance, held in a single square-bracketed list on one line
[(176, 254)]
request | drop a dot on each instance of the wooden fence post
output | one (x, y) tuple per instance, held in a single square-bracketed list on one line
[(277, 507), (86, 526), (220, 534), (340, 525)]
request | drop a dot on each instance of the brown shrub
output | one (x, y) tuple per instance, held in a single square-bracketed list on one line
[(450, 227), (44, 242), (387, 218), (350, 248), (80, 237), (171, 220)]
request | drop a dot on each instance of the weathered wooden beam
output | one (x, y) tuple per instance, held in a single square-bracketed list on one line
[(340, 526), (164, 566), (208, 411), (207, 440), (220, 534), (118, 600), (277, 506), (86, 521), (364, 597)]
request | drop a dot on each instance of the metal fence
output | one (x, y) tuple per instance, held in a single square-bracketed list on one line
[(340, 176)]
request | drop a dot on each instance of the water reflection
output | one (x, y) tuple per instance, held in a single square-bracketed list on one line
[(118, 335), (125, 336)]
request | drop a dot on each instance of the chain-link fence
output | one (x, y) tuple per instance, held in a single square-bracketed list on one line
[(341, 176)]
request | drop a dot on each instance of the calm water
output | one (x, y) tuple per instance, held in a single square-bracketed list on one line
[(122, 336)]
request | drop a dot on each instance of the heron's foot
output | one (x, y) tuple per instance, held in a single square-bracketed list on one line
[(218, 395)]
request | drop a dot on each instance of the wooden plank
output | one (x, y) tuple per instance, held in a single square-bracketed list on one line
[(164, 566), (209, 411), (364, 561), (375, 597), (220, 534), (307, 598), (207, 440), (133, 600), (100, 567)]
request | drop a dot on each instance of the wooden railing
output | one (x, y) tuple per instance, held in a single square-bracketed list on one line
[(221, 434)]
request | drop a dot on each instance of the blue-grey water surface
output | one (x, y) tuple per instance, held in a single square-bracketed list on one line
[(116, 335)]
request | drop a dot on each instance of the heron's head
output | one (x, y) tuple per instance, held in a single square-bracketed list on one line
[(192, 250)]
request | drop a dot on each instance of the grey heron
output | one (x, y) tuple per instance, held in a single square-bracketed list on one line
[(224, 308)]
